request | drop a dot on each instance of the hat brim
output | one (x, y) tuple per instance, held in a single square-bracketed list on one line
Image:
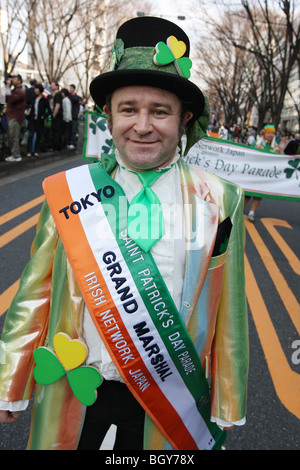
[(187, 91)]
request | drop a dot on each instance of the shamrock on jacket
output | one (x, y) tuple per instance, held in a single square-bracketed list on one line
[(67, 360)]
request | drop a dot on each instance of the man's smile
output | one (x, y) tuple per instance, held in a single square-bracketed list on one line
[(143, 142)]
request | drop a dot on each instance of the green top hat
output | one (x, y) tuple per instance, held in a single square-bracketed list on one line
[(150, 52)]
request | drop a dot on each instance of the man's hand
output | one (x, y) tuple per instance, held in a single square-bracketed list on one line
[(8, 416)]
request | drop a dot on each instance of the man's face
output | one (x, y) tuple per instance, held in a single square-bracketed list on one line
[(269, 136), (15, 81), (145, 126), (53, 86)]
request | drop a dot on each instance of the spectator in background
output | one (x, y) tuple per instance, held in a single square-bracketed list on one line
[(46, 140), (40, 110), (237, 133), (83, 106), (268, 141), (243, 136), (15, 112), (57, 117), (268, 144), (292, 147), (75, 100), (3, 117), (251, 138), (67, 118), (223, 132), (30, 96)]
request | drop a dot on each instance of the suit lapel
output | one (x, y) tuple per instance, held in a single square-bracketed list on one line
[(201, 223)]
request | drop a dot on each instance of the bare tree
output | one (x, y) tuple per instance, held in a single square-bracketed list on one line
[(227, 73), (15, 18), (91, 45), (58, 34), (272, 37), (75, 35), (99, 36)]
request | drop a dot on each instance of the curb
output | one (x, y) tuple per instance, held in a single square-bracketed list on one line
[(9, 168)]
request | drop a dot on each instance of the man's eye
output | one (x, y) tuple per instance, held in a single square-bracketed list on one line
[(127, 110), (160, 112)]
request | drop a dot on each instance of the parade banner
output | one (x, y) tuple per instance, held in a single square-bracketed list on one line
[(97, 138), (259, 173)]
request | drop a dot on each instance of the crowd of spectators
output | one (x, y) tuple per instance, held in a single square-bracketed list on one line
[(35, 119), (252, 137)]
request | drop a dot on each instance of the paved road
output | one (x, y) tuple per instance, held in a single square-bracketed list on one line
[(272, 271)]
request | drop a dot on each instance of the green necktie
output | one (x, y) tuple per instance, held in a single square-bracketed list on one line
[(145, 223)]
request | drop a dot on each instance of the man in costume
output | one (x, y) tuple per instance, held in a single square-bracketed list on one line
[(136, 269)]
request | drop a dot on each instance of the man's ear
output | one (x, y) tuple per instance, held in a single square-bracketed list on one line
[(106, 110), (188, 116), (109, 120)]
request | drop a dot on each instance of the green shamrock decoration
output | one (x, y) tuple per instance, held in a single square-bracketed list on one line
[(97, 122), (163, 54), (295, 164), (107, 148), (173, 51), (70, 354)]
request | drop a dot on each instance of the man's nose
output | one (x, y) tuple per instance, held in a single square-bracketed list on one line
[(143, 123)]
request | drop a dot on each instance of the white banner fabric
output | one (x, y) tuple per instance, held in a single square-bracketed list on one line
[(97, 138), (259, 173)]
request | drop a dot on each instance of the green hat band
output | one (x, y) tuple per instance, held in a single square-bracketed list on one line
[(138, 58)]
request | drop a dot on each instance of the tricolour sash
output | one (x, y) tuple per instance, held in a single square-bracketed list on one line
[(131, 307)]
